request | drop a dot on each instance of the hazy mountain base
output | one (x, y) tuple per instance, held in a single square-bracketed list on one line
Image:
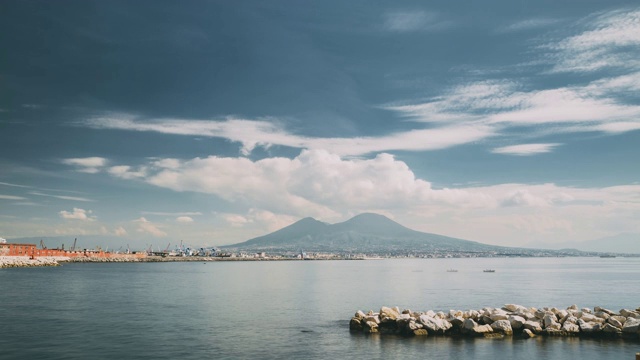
[(365, 233)]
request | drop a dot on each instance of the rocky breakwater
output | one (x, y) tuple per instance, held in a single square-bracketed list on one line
[(25, 261), (510, 320)]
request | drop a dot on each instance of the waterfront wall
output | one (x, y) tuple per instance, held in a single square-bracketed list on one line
[(27, 261), (509, 320)]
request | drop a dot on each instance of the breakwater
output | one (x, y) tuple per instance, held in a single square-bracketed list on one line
[(509, 320), (26, 261)]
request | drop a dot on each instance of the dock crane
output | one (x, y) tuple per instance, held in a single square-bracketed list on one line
[(42, 245), (73, 248)]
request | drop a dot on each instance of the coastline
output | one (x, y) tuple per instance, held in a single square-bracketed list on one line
[(26, 261)]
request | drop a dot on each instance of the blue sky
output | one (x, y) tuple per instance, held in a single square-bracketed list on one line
[(506, 122)]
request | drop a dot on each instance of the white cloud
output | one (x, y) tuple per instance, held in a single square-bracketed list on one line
[(124, 171), (417, 20), (61, 197), (11, 197), (147, 227), (120, 231), (525, 149), (611, 40), (77, 214), (160, 213), (89, 165), (317, 183), (252, 133), (530, 24), (184, 219)]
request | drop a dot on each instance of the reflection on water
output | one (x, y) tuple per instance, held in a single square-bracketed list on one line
[(295, 309)]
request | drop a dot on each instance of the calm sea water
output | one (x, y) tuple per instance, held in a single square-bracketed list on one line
[(296, 309)]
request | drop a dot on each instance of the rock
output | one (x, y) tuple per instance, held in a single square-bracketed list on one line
[(456, 322), (573, 307), (373, 318), (517, 322), (632, 325), (570, 327), (355, 324), (388, 313), (515, 308), (360, 314), (502, 326), (630, 313), (468, 325), (533, 326), (420, 332), (599, 309), (498, 314), (493, 335), (528, 334), (586, 327), (370, 327), (434, 325), (610, 329), (482, 329), (549, 320), (602, 315), (614, 322), (620, 318), (586, 310)]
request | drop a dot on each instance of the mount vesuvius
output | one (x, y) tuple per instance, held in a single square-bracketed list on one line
[(364, 233)]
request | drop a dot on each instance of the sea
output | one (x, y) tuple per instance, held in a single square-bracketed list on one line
[(296, 309)]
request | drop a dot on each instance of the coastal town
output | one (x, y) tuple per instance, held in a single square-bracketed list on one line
[(29, 255)]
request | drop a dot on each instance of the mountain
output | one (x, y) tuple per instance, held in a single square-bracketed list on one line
[(624, 243), (365, 233)]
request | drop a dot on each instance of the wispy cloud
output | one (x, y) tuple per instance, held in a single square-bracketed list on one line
[(11, 197), (185, 213), (525, 149), (252, 133), (418, 20), (61, 197), (14, 185), (184, 219), (89, 165), (610, 40), (147, 227), (529, 24)]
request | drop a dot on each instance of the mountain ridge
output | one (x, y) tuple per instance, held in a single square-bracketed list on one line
[(367, 233)]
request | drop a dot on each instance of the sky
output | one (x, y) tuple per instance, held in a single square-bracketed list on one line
[(212, 122)]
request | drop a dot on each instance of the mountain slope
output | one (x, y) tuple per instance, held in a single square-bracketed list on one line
[(362, 233)]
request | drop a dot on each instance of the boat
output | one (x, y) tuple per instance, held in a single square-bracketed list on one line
[(452, 270), (488, 270)]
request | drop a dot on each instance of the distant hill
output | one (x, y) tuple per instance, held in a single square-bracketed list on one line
[(624, 243), (365, 233)]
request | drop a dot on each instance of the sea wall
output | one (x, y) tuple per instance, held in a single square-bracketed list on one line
[(509, 320), (26, 261)]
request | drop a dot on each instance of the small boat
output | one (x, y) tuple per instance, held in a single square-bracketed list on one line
[(452, 270), (488, 270)]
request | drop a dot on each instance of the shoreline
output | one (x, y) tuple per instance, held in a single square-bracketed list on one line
[(26, 261)]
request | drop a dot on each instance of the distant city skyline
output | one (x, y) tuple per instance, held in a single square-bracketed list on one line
[(508, 123)]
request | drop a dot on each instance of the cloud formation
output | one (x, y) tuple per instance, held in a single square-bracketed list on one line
[(417, 20), (88, 165), (525, 149), (144, 226), (77, 214)]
